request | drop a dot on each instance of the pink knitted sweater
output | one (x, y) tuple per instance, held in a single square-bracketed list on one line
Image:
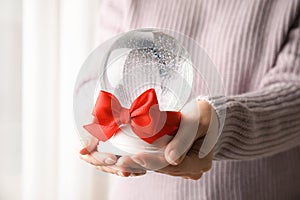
[(255, 45)]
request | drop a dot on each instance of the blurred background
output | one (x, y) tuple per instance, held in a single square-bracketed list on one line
[(42, 46)]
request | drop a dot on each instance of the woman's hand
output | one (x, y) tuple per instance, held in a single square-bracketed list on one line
[(181, 157), (190, 167), (109, 163)]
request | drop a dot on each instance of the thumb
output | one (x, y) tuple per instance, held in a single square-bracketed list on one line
[(186, 135)]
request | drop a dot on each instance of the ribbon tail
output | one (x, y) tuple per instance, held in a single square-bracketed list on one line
[(96, 131)]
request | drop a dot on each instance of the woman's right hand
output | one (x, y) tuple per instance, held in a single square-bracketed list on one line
[(123, 166)]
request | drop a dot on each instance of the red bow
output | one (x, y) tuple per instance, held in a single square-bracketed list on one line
[(144, 117)]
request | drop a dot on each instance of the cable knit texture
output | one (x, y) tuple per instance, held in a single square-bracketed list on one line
[(255, 45)]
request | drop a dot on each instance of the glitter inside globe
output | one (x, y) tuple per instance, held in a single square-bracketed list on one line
[(140, 60), (128, 65)]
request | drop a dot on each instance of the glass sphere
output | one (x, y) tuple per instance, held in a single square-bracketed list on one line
[(130, 64)]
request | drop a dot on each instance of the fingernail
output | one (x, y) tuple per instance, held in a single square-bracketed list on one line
[(84, 151), (139, 161), (173, 157), (201, 154), (126, 174), (137, 174), (109, 161)]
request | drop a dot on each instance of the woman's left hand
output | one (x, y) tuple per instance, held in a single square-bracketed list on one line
[(181, 157)]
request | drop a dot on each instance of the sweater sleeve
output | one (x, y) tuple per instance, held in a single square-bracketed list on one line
[(265, 121)]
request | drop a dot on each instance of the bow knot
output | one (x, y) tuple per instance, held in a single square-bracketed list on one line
[(143, 116), (124, 116)]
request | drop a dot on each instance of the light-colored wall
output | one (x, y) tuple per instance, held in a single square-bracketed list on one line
[(10, 99), (11, 139)]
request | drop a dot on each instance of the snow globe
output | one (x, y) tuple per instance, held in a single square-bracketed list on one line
[(133, 90)]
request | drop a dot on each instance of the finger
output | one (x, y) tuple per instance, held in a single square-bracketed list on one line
[(178, 173), (178, 170), (137, 174), (204, 162), (195, 177), (191, 164), (89, 159), (150, 161), (185, 136), (113, 170), (124, 171), (170, 173), (91, 145), (104, 158), (200, 164), (127, 163), (107, 169), (208, 158), (97, 158), (190, 176)]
